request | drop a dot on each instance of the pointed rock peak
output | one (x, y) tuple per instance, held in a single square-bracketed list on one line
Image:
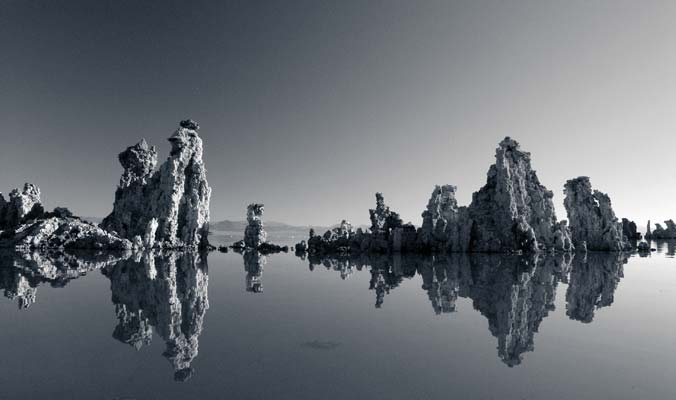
[(509, 143), (189, 124), (143, 145)]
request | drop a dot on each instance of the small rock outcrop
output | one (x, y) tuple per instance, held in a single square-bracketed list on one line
[(165, 208), (661, 233), (593, 223), (22, 205), (629, 230), (255, 237)]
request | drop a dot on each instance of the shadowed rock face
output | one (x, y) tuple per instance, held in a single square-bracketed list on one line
[(629, 230), (593, 223), (167, 208)]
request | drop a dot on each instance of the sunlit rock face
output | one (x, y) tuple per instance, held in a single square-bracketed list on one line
[(254, 233), (20, 205), (167, 292), (513, 211), (166, 208), (593, 280), (63, 234), (593, 223)]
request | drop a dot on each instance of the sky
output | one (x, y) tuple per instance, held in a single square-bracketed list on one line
[(312, 106)]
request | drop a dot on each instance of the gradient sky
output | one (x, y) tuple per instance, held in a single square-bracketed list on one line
[(310, 106)]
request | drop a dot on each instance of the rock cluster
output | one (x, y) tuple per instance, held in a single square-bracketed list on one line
[(26, 226), (513, 212), (660, 232), (165, 208), (593, 223), (629, 230)]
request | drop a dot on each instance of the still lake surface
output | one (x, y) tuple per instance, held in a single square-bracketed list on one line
[(179, 326)]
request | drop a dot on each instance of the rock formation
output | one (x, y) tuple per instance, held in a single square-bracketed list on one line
[(169, 207), (255, 237), (593, 223), (445, 225), (254, 234), (22, 205), (25, 225), (513, 211), (648, 231), (660, 233), (629, 230)]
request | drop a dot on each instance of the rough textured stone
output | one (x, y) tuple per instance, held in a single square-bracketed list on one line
[(64, 233), (629, 230), (513, 211), (254, 233), (593, 223), (643, 247), (22, 205), (169, 207)]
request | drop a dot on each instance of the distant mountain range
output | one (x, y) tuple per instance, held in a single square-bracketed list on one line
[(270, 227)]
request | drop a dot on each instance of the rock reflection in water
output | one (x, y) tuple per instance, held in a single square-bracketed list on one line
[(165, 291), (514, 292), (254, 262), (22, 272), (593, 280)]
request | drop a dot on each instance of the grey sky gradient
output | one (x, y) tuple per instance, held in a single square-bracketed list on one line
[(312, 106)]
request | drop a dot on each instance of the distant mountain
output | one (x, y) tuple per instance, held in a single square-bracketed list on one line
[(270, 227)]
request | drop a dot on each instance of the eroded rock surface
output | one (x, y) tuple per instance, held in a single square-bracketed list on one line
[(254, 233), (22, 205), (169, 207), (593, 223), (513, 211)]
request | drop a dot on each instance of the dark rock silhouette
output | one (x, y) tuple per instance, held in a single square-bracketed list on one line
[(167, 208), (660, 233), (593, 223), (629, 230)]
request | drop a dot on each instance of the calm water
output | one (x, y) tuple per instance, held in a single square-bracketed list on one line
[(177, 326)]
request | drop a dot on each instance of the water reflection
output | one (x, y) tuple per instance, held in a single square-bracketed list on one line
[(166, 292), (514, 292)]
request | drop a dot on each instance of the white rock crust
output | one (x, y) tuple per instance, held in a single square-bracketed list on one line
[(167, 208)]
